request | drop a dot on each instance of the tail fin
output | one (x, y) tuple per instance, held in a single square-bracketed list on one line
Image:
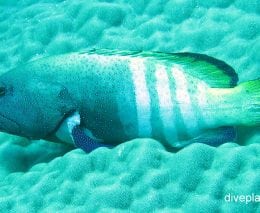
[(249, 93)]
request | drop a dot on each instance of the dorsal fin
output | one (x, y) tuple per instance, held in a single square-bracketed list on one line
[(216, 73), (213, 71)]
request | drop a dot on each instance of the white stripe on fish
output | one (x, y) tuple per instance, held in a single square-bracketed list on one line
[(202, 99), (184, 100), (165, 103), (143, 102)]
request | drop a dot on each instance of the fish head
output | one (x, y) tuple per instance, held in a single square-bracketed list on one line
[(31, 106)]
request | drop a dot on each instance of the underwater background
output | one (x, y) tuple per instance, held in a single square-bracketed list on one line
[(139, 175)]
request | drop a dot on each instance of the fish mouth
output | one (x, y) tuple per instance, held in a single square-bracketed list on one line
[(9, 126)]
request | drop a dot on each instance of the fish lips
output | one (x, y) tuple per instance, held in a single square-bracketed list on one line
[(9, 126)]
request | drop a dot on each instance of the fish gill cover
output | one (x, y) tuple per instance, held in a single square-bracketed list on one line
[(38, 176)]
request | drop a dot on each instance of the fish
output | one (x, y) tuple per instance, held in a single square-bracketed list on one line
[(104, 97)]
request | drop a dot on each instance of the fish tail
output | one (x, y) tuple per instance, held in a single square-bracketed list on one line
[(238, 106), (249, 95)]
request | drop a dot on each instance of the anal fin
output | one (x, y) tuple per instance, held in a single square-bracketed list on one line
[(213, 137)]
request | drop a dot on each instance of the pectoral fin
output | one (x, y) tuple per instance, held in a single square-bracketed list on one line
[(214, 137), (71, 132), (85, 142)]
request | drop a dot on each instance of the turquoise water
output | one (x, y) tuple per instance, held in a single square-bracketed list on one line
[(39, 176)]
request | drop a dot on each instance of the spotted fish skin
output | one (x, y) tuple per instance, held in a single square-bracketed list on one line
[(125, 95), (121, 97)]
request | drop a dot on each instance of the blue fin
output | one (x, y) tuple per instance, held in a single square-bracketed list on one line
[(214, 137), (83, 141)]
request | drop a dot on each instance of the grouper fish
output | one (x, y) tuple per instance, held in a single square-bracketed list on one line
[(106, 97)]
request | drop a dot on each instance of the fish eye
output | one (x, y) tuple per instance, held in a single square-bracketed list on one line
[(2, 90)]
